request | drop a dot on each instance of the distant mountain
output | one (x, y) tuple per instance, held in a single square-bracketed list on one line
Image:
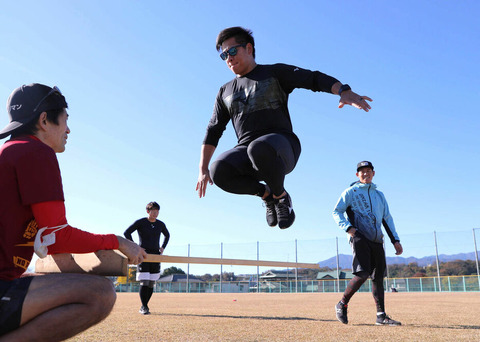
[(345, 261)]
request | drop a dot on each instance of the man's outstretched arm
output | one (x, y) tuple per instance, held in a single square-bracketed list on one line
[(351, 98)]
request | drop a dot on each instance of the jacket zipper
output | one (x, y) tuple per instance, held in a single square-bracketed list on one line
[(371, 211)]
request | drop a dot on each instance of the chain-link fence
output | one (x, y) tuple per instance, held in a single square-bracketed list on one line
[(425, 249)]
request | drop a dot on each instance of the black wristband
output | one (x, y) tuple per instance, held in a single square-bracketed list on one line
[(343, 88)]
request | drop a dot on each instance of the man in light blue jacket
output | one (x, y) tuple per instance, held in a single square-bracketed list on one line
[(360, 212)]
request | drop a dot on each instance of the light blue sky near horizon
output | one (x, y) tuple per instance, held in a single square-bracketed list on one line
[(141, 78)]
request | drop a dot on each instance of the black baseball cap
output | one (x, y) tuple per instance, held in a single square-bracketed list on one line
[(27, 102), (364, 164)]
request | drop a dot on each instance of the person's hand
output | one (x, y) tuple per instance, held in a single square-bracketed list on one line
[(132, 251), (352, 232), (350, 98), (398, 248), (161, 250), (202, 182)]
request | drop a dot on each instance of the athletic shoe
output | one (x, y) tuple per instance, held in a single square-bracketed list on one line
[(383, 319), (271, 213), (285, 213), (144, 310), (341, 311)]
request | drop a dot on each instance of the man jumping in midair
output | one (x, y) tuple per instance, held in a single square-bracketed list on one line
[(256, 101)]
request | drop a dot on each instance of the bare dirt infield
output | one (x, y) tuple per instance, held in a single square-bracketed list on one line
[(288, 317)]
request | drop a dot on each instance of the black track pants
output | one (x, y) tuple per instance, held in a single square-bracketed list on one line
[(268, 158)]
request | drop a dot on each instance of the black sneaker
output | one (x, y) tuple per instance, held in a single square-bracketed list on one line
[(271, 213), (383, 319), (144, 310), (285, 213), (341, 311)]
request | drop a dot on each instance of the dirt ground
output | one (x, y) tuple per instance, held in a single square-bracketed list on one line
[(288, 317)]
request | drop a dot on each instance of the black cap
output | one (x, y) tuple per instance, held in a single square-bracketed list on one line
[(364, 164), (27, 102)]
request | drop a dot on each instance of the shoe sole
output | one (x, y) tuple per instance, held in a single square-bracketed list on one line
[(288, 225)]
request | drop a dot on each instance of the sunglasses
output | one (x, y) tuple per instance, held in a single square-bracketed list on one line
[(52, 91), (232, 51)]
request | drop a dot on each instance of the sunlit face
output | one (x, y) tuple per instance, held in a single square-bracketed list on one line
[(243, 62), (365, 175), (153, 214), (57, 135)]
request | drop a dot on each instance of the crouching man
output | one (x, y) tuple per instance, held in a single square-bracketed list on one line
[(50, 307)]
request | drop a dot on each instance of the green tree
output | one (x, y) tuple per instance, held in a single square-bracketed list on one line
[(228, 276), (412, 270), (206, 277), (419, 274), (172, 270), (458, 267)]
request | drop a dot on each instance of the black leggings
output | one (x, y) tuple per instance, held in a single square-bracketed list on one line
[(268, 158), (378, 290), (146, 291)]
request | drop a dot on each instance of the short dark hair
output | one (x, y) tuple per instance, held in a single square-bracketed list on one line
[(54, 105), (241, 35), (31, 128), (153, 205)]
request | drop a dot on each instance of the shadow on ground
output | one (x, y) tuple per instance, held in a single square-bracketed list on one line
[(431, 326), (268, 318)]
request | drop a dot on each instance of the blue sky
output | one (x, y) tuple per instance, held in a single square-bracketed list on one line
[(141, 77)]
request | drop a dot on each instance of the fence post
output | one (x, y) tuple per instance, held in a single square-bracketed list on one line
[(258, 272), (476, 257), (296, 268), (338, 269), (188, 272), (438, 264), (221, 267)]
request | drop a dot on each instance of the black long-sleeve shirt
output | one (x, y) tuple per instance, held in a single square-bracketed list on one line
[(149, 234), (257, 102)]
